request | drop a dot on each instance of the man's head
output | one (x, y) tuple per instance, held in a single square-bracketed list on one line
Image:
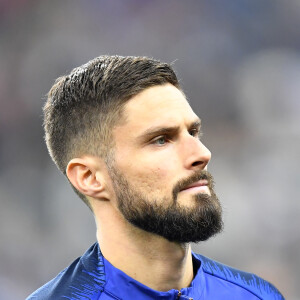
[(84, 106), (134, 141), (159, 169)]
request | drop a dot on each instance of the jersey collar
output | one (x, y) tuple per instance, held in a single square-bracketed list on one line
[(122, 286)]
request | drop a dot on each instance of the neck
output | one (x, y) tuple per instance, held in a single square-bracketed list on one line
[(150, 259)]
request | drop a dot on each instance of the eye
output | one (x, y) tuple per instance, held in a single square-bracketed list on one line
[(195, 132), (161, 140)]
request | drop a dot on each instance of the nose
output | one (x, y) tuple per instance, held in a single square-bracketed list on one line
[(196, 154)]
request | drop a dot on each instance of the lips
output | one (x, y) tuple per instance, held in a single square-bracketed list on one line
[(199, 183)]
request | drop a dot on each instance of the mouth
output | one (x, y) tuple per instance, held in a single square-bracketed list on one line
[(198, 186)]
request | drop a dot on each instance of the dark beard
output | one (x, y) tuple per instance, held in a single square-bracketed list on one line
[(173, 222)]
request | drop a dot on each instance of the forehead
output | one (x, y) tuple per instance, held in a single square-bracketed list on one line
[(158, 105)]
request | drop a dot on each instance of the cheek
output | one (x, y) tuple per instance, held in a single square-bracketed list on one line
[(167, 169), (155, 180), (152, 174), (164, 169), (149, 178)]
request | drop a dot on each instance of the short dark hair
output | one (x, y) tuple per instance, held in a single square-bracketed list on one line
[(83, 106)]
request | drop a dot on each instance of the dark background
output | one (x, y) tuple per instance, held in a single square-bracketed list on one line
[(239, 64)]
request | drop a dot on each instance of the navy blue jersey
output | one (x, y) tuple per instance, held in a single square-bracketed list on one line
[(92, 277)]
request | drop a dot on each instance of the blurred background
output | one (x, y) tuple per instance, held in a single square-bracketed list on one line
[(239, 64)]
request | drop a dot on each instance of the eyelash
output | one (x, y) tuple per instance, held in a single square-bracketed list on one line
[(155, 141), (195, 132)]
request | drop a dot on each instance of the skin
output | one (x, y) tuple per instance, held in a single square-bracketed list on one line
[(156, 146)]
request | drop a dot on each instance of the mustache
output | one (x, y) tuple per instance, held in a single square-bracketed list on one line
[(185, 182)]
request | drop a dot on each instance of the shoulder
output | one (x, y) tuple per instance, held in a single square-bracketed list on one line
[(257, 286), (83, 279)]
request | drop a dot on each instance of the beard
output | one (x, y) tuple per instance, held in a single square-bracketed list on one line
[(173, 221)]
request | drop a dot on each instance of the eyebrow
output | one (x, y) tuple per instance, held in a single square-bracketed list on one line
[(158, 130)]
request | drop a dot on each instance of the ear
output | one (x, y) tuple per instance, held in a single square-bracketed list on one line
[(87, 176)]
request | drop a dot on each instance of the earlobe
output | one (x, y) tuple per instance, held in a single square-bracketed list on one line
[(85, 177)]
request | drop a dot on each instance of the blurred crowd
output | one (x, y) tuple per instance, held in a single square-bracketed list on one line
[(239, 64)]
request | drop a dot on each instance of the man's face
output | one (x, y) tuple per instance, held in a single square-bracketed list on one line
[(159, 168)]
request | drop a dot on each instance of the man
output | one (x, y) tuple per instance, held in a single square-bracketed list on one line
[(122, 131)]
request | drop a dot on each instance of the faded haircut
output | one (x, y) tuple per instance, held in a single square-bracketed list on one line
[(83, 107)]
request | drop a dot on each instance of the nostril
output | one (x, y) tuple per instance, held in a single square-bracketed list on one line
[(197, 163)]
